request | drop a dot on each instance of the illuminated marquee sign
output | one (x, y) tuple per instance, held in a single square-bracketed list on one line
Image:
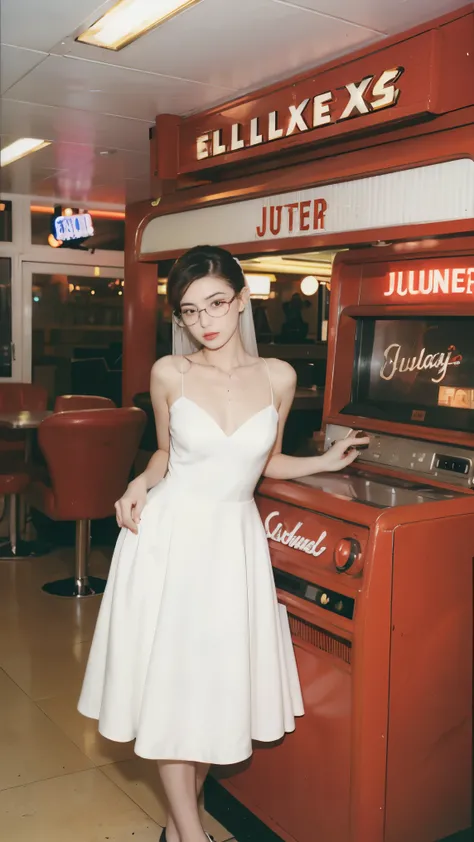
[(372, 93), (411, 282), (421, 195)]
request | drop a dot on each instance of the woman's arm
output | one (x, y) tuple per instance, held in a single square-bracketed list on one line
[(129, 508), (280, 466), (161, 383)]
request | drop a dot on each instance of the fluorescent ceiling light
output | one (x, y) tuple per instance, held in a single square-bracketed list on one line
[(259, 285), (295, 267), (130, 19), (20, 148)]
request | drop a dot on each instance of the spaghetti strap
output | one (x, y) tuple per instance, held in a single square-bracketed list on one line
[(182, 375), (269, 379)]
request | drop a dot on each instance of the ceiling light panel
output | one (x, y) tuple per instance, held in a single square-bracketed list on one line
[(130, 19), (19, 148)]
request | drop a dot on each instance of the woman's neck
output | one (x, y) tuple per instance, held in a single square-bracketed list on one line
[(231, 355)]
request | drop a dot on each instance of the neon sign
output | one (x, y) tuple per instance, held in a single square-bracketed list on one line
[(453, 281), (76, 227), (439, 362)]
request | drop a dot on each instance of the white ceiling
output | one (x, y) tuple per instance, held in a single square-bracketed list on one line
[(87, 100)]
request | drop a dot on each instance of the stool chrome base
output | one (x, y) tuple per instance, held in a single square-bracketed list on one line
[(76, 588), (81, 584)]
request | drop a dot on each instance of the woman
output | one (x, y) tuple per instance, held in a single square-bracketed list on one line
[(192, 655)]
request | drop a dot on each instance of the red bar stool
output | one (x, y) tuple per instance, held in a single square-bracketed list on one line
[(14, 479), (89, 455), (72, 403)]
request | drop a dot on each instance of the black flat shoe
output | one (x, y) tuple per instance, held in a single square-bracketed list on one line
[(163, 836)]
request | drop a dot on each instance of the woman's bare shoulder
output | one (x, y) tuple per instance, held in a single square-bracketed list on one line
[(167, 369), (282, 373)]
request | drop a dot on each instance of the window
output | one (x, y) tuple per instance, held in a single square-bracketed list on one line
[(5, 317), (5, 221)]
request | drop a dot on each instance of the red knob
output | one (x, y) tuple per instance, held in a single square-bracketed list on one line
[(347, 556)]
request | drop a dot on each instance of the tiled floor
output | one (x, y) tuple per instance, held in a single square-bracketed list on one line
[(59, 780)]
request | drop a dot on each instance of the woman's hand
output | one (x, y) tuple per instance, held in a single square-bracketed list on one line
[(129, 508), (343, 452)]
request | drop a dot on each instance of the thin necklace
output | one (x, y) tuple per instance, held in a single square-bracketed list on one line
[(228, 374), (231, 370)]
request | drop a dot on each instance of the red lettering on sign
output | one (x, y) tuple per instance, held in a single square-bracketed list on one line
[(291, 212), (320, 208), (305, 208), (443, 281), (297, 218), (275, 219)]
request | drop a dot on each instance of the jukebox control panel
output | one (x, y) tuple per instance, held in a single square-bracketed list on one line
[(325, 598), (429, 460)]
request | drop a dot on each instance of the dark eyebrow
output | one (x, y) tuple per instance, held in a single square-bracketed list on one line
[(191, 304)]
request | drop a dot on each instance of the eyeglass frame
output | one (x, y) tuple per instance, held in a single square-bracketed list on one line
[(182, 324)]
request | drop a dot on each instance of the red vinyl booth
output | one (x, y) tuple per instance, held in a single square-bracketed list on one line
[(72, 403), (89, 455)]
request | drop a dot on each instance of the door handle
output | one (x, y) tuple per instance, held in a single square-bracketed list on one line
[(13, 351)]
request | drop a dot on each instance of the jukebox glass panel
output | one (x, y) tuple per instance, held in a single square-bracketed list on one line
[(415, 369)]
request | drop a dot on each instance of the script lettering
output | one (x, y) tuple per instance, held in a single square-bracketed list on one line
[(292, 539), (395, 363)]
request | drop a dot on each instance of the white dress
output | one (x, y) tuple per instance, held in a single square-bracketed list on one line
[(192, 654)]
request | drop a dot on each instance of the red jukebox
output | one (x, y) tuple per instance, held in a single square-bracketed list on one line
[(376, 568)]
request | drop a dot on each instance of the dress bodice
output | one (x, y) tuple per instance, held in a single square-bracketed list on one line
[(206, 462)]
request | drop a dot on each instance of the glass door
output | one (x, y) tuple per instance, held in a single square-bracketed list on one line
[(73, 317), (10, 323)]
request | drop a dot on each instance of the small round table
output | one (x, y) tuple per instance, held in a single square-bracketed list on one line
[(15, 547)]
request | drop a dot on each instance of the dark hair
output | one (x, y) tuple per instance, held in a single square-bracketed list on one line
[(199, 262)]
